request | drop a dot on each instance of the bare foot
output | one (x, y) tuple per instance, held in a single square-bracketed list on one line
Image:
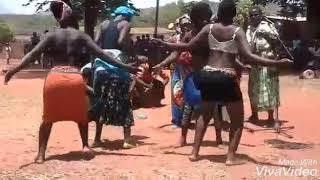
[(97, 144), (88, 150), (39, 159), (277, 127), (182, 142), (270, 123), (234, 162), (193, 157), (128, 146)]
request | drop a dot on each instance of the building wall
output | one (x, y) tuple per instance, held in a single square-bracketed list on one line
[(17, 49)]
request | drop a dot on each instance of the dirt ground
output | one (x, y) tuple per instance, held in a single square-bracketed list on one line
[(155, 157)]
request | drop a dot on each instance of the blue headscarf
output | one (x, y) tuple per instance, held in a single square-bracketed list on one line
[(124, 11)]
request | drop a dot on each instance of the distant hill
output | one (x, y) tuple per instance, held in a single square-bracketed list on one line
[(26, 24), (167, 14)]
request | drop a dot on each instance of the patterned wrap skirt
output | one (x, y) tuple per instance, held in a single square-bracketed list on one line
[(112, 105), (264, 88)]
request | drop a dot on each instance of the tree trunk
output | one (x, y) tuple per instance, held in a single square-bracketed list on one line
[(91, 14)]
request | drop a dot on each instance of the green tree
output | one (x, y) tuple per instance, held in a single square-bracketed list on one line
[(91, 8), (6, 34), (290, 8), (187, 7), (243, 8)]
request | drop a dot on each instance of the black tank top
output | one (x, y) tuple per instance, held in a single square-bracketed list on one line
[(110, 36)]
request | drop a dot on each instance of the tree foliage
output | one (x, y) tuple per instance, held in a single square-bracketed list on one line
[(185, 8), (90, 8), (243, 8), (290, 8), (6, 34), (105, 7)]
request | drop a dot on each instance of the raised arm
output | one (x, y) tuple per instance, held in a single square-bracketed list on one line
[(193, 43), (249, 57), (30, 57), (97, 51)]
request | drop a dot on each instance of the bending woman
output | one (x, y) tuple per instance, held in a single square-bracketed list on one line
[(217, 80), (64, 93)]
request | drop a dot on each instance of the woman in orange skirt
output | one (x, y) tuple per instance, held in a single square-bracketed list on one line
[(64, 93)]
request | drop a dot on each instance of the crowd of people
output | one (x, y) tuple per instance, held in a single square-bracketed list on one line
[(207, 60)]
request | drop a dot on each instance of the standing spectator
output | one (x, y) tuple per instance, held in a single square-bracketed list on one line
[(8, 51), (263, 81), (35, 39), (26, 47), (144, 46), (137, 45)]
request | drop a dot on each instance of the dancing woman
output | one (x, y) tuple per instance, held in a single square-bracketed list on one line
[(187, 62), (64, 92), (217, 80), (183, 27)]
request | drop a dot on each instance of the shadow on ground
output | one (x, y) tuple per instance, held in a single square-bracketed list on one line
[(241, 158), (281, 144), (118, 144)]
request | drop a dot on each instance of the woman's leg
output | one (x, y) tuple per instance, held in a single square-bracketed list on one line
[(127, 138), (218, 123), (270, 115), (201, 127), (44, 134), (83, 129), (254, 116), (236, 113), (97, 139), (186, 118), (252, 83)]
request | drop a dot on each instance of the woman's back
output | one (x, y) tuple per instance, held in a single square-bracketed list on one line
[(223, 47), (67, 46)]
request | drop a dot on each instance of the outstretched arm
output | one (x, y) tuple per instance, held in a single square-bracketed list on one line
[(30, 57), (245, 52), (193, 43), (170, 59)]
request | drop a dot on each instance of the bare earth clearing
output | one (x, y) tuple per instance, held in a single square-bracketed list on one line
[(155, 157)]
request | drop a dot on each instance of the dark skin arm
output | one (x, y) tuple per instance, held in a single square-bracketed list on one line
[(123, 40), (242, 44), (124, 33), (98, 37), (94, 48), (245, 52), (29, 58), (192, 44), (172, 57)]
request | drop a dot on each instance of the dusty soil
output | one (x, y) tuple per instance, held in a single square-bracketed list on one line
[(155, 157)]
